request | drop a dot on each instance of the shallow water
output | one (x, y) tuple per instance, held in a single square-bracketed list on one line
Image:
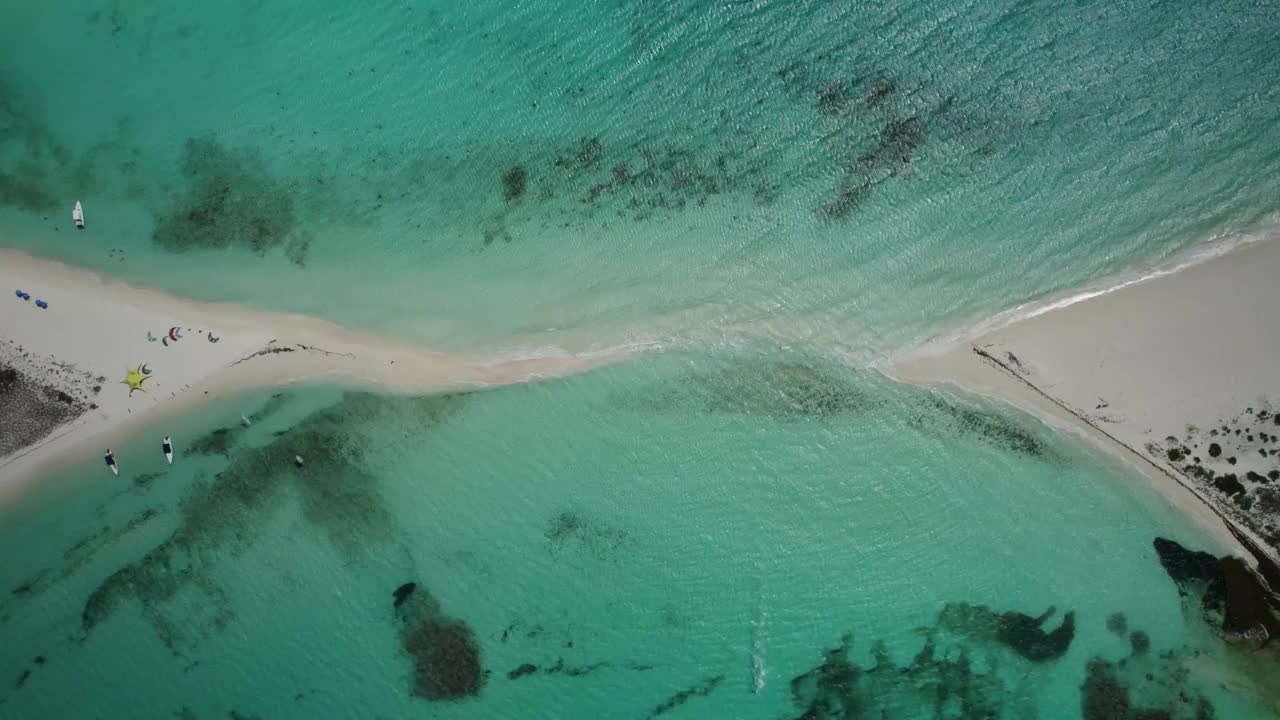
[(627, 535), (536, 174), (840, 180)]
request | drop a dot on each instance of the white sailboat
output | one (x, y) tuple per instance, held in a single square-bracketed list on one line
[(78, 215)]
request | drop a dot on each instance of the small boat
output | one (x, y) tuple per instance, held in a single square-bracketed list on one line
[(78, 215), (110, 457), (245, 420), (297, 460), (168, 449)]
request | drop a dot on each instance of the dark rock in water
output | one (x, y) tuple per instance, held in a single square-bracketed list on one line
[(176, 584), (1103, 696), (403, 592), (444, 650), (1139, 642), (1025, 635), (1185, 566), (446, 660), (230, 200), (1117, 624), (1233, 597), (22, 679), (940, 682), (40, 660), (1019, 632), (1143, 687), (215, 442), (993, 427), (882, 89), (558, 669), (702, 689), (833, 98), (525, 669), (850, 198), (513, 183), (578, 670), (1248, 604), (570, 531)]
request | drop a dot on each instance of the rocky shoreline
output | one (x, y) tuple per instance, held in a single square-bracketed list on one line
[(38, 395)]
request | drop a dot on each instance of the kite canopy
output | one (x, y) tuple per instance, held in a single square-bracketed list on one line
[(134, 379)]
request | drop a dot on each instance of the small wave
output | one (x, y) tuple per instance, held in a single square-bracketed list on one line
[(554, 352)]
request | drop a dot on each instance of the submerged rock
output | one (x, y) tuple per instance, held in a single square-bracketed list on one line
[(403, 592), (1117, 624), (443, 649), (525, 669), (1020, 632), (1026, 636), (1231, 595), (702, 689), (1139, 643), (1103, 697), (937, 683)]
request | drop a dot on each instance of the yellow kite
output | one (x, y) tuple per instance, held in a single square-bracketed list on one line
[(135, 377)]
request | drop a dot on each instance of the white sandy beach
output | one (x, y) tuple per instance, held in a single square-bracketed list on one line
[(97, 327), (1125, 369), (1169, 357)]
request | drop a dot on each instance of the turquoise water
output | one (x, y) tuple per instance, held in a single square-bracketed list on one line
[(833, 172), (765, 186), (651, 526)]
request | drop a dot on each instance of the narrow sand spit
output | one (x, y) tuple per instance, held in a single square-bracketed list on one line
[(96, 330)]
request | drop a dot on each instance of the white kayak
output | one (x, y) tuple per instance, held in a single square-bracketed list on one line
[(168, 449), (78, 215)]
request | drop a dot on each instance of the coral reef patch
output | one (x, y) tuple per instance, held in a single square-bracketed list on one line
[(443, 650)]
